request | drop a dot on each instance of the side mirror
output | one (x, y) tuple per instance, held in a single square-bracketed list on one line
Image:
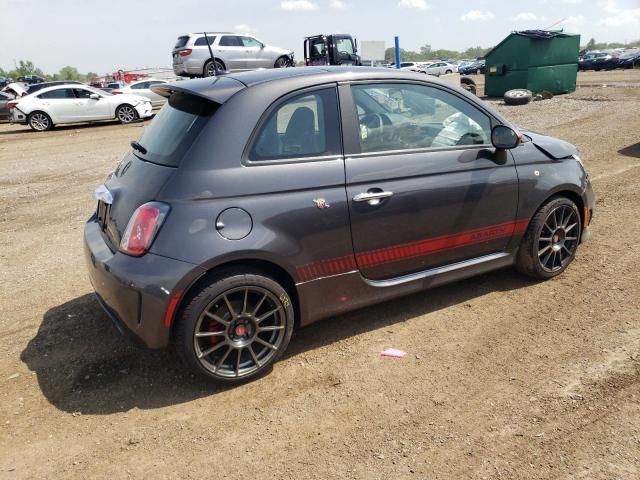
[(262, 46), (94, 96), (504, 138)]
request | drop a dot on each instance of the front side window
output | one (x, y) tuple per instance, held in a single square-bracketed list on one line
[(410, 116), (230, 41), (82, 93), (250, 42), (306, 125), (140, 86), (318, 48), (60, 93), (344, 45)]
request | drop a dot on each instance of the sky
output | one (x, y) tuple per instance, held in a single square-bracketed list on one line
[(99, 36)]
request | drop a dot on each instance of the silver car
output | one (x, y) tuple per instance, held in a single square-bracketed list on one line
[(233, 52)]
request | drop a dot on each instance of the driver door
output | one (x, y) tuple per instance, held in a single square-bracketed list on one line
[(425, 186), (88, 108)]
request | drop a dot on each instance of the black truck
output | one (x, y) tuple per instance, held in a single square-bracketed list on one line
[(334, 49)]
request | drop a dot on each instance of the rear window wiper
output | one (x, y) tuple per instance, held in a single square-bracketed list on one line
[(136, 146)]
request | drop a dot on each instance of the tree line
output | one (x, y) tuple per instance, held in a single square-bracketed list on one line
[(26, 67)]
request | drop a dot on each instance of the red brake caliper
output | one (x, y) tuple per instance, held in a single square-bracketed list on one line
[(214, 326)]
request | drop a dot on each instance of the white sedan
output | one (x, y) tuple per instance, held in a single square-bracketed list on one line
[(76, 103), (441, 68), (143, 87)]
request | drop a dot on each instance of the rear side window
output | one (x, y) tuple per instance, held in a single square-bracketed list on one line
[(306, 125), (200, 42), (57, 94), (174, 129), (181, 42)]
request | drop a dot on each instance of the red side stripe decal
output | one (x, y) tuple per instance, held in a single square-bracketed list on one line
[(406, 251)]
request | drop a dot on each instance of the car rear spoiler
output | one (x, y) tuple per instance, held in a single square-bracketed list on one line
[(215, 89)]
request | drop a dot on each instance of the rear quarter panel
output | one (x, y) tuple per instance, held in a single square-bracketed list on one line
[(288, 229)]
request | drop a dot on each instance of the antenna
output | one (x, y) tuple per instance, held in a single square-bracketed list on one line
[(215, 66), (559, 21)]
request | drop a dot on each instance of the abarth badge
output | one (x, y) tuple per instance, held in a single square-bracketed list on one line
[(321, 203)]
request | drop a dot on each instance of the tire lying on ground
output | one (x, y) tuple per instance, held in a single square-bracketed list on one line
[(519, 96)]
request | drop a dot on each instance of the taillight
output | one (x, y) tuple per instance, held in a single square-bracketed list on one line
[(185, 52), (12, 105), (142, 228), (116, 92)]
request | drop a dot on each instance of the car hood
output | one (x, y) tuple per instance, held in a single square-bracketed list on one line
[(552, 147), (278, 50), (128, 97)]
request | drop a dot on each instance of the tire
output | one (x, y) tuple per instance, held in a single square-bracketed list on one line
[(282, 62), (209, 71), (448, 72), (217, 333), (468, 84), (518, 97), (547, 256), (126, 114), (39, 121)]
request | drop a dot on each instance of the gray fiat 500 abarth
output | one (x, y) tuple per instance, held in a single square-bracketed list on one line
[(261, 201)]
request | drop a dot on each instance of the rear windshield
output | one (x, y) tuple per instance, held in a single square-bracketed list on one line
[(174, 129), (181, 42)]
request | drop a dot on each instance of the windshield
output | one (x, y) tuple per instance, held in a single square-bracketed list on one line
[(174, 129)]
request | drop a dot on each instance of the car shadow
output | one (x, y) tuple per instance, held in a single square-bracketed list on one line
[(83, 364), (74, 126), (631, 150)]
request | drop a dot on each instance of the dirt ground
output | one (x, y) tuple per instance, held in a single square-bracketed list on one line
[(505, 378)]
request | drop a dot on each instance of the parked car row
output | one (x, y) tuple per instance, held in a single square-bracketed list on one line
[(609, 60), (46, 104), (472, 68), (430, 68)]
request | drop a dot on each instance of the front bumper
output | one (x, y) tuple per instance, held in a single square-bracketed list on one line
[(589, 198), (145, 109), (135, 291)]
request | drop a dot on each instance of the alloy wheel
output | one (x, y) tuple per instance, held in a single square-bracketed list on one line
[(239, 331), (126, 114), (39, 122), (558, 239)]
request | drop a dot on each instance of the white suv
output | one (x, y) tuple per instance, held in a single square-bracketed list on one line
[(232, 51)]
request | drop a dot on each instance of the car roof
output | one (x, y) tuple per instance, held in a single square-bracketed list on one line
[(219, 89), (64, 85)]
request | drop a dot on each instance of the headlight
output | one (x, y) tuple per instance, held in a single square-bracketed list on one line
[(576, 157)]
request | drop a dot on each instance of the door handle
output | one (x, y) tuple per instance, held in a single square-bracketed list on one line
[(372, 198)]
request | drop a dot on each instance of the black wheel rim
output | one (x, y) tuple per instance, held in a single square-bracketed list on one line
[(558, 238), (239, 332)]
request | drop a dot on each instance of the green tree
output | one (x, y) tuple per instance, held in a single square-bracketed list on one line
[(592, 44), (70, 73)]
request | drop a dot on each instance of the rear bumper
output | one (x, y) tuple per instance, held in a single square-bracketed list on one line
[(135, 291)]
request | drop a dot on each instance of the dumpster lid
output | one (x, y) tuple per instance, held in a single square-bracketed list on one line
[(541, 34)]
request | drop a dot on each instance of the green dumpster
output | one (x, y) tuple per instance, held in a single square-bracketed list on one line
[(533, 59)]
